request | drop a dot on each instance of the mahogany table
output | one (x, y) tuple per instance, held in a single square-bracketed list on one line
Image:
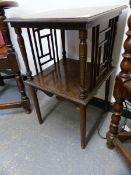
[(74, 80)]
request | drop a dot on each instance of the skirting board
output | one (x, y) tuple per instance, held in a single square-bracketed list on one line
[(100, 104)]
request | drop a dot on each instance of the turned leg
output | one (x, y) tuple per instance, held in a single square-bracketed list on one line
[(36, 104), (83, 125), (115, 120), (107, 86), (117, 112), (83, 63), (24, 99)]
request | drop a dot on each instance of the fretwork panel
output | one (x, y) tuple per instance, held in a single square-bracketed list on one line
[(101, 55), (44, 46)]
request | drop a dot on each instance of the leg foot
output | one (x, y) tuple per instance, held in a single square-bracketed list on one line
[(36, 104), (24, 99), (109, 142), (116, 116)]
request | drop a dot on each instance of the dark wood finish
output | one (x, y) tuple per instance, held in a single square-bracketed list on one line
[(107, 85), (122, 92), (79, 23), (123, 136), (36, 104), (57, 79), (63, 44), (83, 64), (125, 152), (74, 80), (83, 125), (23, 51), (1, 81), (8, 60)]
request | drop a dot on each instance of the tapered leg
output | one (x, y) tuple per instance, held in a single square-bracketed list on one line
[(36, 104), (24, 99), (107, 86), (83, 125)]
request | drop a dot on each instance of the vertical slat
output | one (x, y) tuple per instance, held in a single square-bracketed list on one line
[(109, 42), (92, 57), (99, 59), (56, 45), (37, 51), (112, 39), (48, 41), (63, 44), (106, 46), (96, 54), (52, 41), (32, 49), (40, 43)]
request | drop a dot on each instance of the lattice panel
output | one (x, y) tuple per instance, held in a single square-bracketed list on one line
[(101, 56), (44, 46)]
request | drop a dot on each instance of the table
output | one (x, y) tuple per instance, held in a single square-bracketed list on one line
[(74, 80)]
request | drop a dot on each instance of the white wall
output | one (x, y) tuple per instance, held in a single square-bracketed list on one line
[(33, 6)]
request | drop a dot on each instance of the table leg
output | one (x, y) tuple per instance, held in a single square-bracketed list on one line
[(36, 104), (24, 99), (116, 116), (83, 125), (83, 62), (21, 42)]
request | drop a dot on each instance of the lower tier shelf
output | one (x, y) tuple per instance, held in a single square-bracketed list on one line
[(63, 78)]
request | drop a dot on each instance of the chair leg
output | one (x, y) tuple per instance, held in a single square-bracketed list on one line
[(1, 81), (83, 125), (107, 86), (116, 117), (36, 104), (24, 99), (117, 112)]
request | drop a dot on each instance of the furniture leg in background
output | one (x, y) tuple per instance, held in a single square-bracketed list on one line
[(122, 92), (8, 61)]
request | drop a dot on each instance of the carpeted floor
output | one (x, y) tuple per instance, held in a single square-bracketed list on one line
[(53, 148)]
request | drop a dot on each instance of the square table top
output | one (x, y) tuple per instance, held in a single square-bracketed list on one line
[(75, 15)]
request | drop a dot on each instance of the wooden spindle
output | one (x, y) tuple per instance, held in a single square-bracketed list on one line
[(126, 62), (20, 39), (83, 62)]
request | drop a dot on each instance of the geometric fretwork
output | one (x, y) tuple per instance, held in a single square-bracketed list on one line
[(101, 56), (44, 46)]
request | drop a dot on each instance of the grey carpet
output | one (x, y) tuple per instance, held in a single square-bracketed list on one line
[(53, 148)]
